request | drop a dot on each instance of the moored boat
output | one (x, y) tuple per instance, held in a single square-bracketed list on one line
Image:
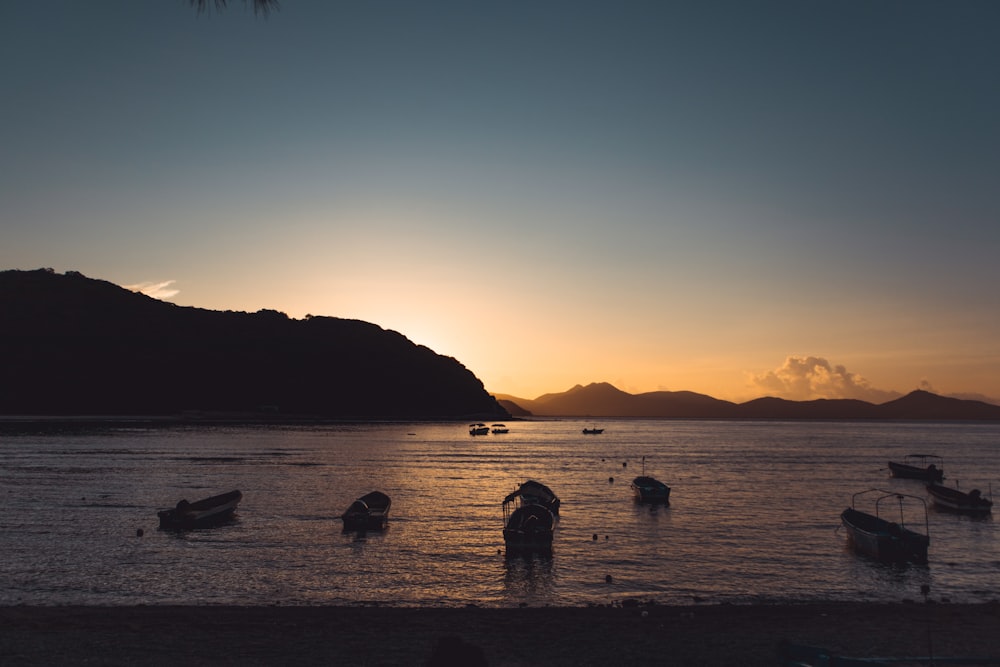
[(529, 528), (535, 493), (593, 431), (928, 467), (478, 429), (884, 540), (958, 501), (650, 490), (204, 513), (497, 429), (369, 512)]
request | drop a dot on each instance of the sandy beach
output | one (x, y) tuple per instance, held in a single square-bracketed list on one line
[(693, 635)]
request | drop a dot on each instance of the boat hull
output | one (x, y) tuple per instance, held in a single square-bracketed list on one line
[(369, 512), (204, 513), (649, 490), (529, 529), (953, 500), (929, 473), (883, 540)]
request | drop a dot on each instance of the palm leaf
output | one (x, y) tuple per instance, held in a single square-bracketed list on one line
[(262, 7)]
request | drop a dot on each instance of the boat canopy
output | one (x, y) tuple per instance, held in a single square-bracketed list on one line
[(534, 490)]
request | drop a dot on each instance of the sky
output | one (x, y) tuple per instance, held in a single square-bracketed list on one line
[(790, 198)]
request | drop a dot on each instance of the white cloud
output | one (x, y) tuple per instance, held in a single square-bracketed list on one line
[(160, 290), (808, 378)]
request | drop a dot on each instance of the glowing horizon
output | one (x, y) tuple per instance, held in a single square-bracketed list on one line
[(730, 199)]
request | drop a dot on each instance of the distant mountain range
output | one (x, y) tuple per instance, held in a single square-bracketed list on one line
[(73, 345), (604, 400)]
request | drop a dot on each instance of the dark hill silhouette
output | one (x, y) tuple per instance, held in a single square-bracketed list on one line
[(604, 400), (78, 346)]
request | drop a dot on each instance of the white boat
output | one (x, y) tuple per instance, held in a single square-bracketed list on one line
[(499, 428), (478, 428)]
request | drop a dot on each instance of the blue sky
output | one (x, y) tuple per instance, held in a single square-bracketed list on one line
[(794, 198)]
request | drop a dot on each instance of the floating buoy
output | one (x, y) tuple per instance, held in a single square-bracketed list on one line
[(624, 464), (607, 579), (611, 480), (605, 537), (139, 533), (595, 537)]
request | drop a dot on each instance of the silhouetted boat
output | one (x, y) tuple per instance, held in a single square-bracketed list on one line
[(369, 512), (201, 514), (528, 528), (650, 490), (499, 428), (535, 493), (928, 467), (954, 500), (478, 429), (885, 540), (592, 431)]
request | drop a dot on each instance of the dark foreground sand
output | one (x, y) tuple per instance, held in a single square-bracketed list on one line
[(696, 635)]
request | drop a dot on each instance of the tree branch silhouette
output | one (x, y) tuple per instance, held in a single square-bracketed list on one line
[(262, 7)]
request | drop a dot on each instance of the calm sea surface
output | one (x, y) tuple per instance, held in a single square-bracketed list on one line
[(754, 514)]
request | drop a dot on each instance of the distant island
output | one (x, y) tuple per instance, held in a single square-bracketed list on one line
[(604, 400), (74, 345)]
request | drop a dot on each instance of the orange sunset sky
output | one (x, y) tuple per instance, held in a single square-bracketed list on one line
[(796, 199)]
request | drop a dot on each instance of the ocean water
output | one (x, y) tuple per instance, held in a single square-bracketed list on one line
[(753, 518)]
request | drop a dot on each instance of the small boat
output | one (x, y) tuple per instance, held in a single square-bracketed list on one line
[(954, 500), (650, 490), (499, 428), (201, 514), (928, 467), (369, 512), (478, 429), (884, 540), (593, 431), (535, 493), (529, 528)]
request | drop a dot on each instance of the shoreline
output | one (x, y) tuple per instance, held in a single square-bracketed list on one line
[(677, 635)]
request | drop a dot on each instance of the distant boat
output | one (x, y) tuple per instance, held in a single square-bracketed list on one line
[(499, 428), (592, 431), (478, 429), (884, 540), (649, 490), (954, 500), (928, 467), (369, 512), (201, 514), (535, 493)]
